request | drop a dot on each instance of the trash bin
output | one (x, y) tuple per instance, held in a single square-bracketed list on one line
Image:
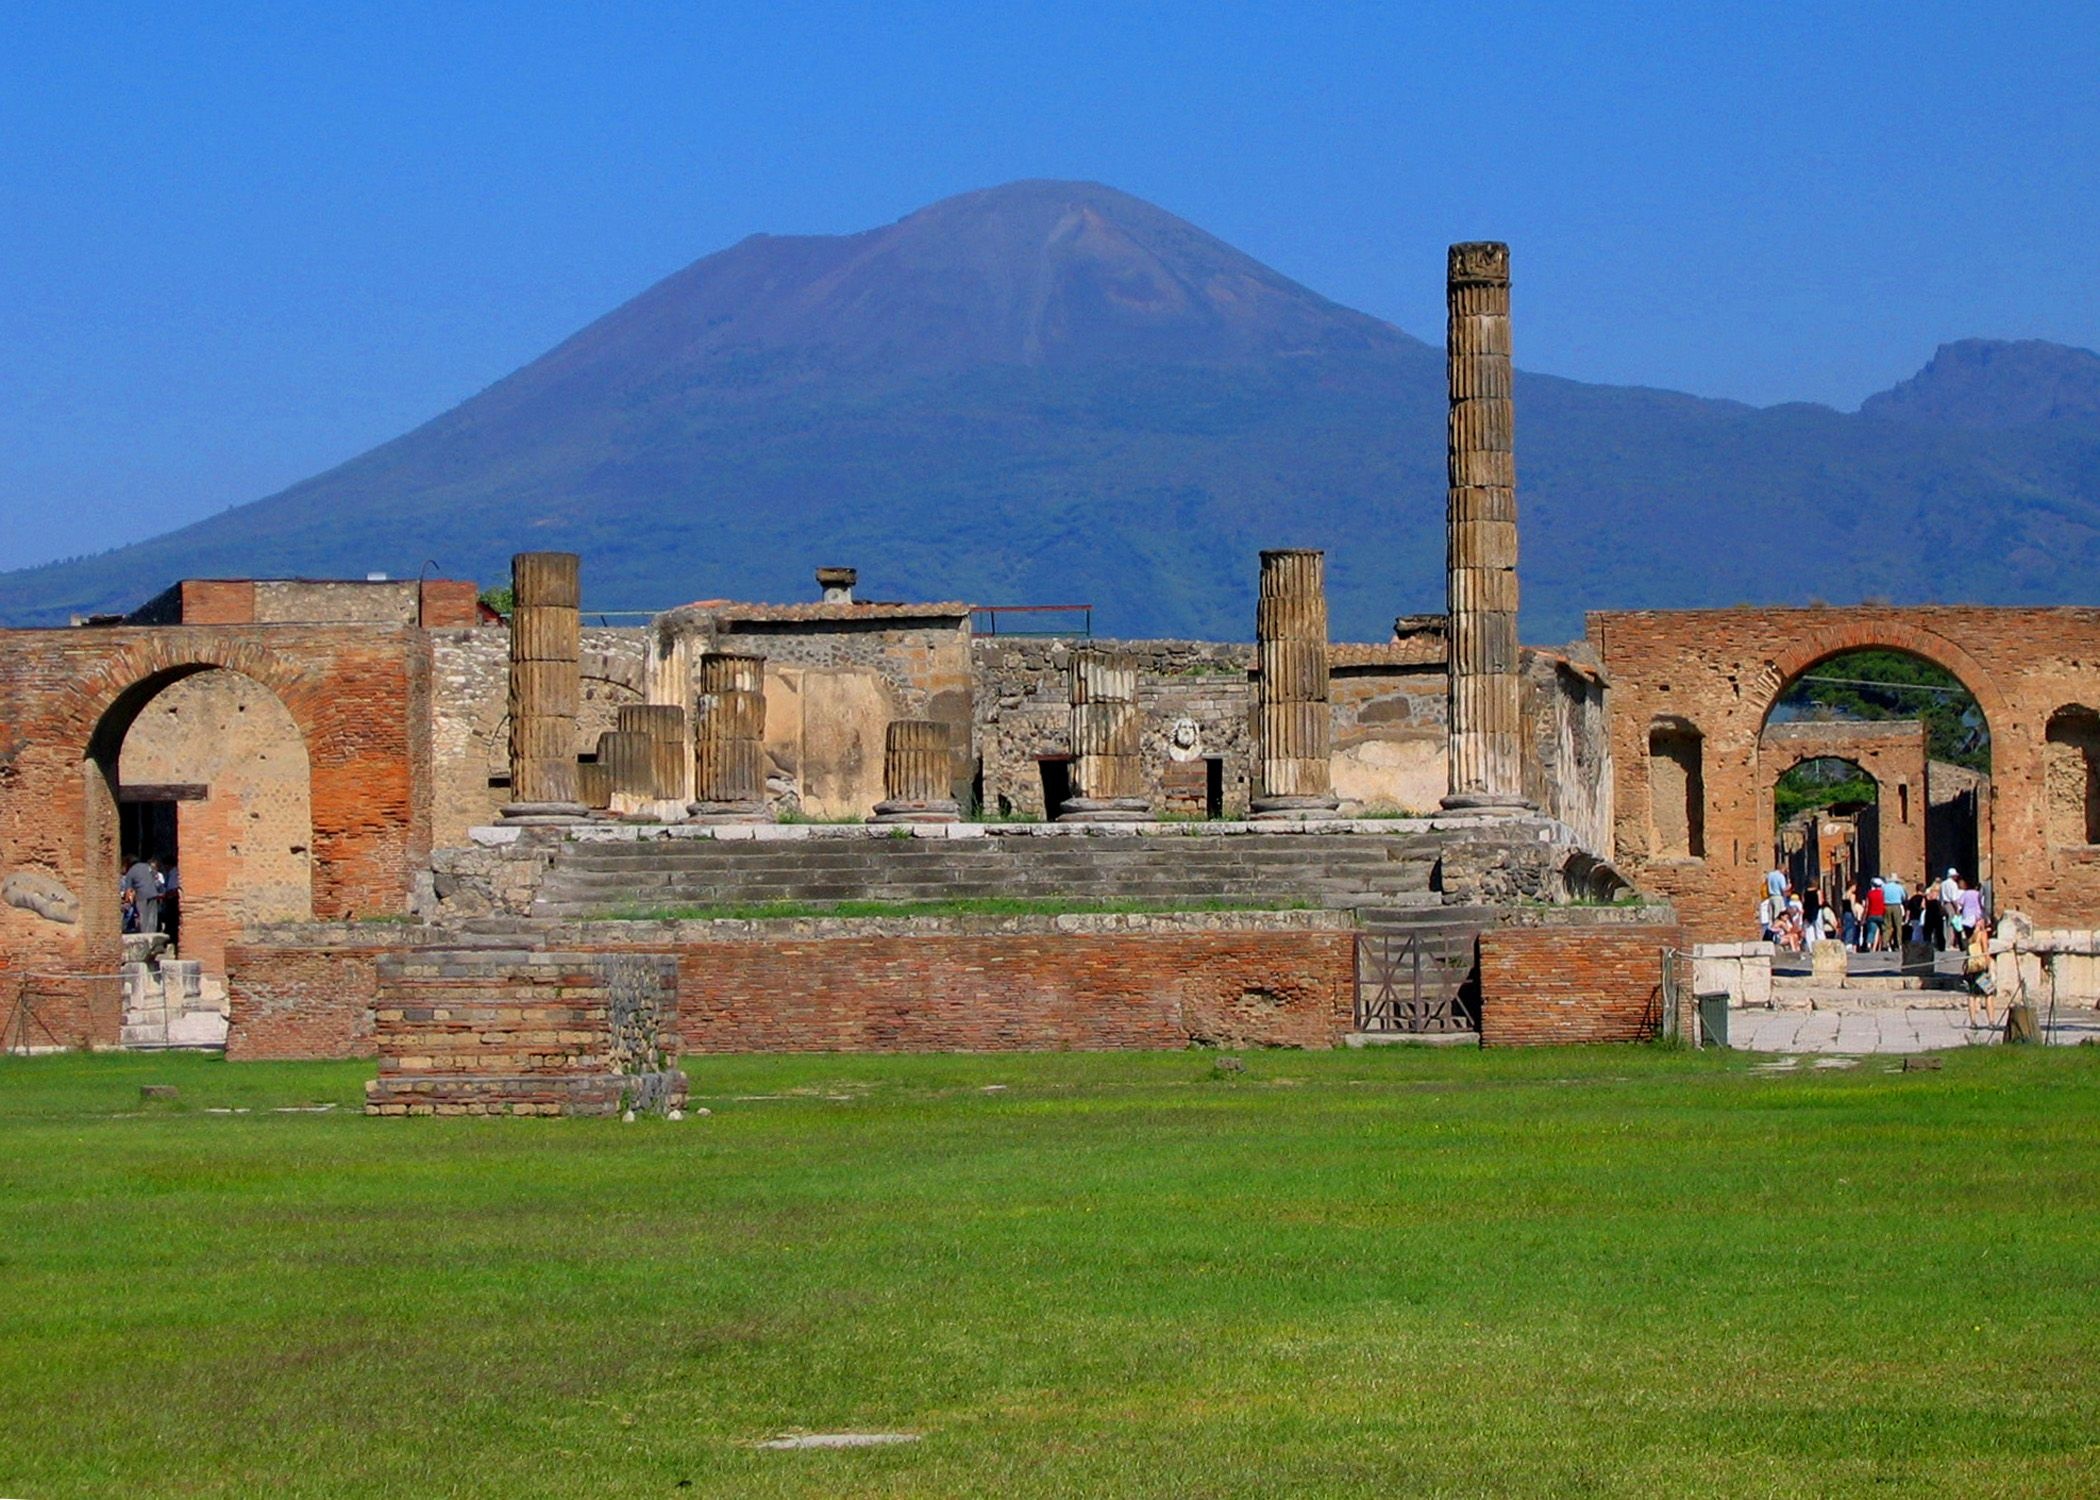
[(1713, 1018)]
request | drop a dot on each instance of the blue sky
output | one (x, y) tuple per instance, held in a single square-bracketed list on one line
[(240, 244)]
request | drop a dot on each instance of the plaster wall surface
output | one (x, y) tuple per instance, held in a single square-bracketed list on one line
[(246, 846)]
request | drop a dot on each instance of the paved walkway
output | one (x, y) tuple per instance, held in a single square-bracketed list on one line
[(1884, 1028)]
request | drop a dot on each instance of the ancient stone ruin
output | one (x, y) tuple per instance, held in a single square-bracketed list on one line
[(518, 859)]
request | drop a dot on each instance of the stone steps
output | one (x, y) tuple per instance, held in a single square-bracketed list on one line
[(595, 879)]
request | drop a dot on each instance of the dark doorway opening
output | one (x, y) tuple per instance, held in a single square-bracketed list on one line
[(1056, 771)]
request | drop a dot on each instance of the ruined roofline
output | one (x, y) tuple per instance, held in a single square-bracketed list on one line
[(1833, 613), (728, 613)]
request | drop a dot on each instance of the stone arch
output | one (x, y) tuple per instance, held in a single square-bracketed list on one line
[(106, 704), (1863, 847), (1817, 647), (224, 760), (1814, 648)]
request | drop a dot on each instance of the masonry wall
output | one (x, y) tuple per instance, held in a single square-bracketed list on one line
[(1719, 672), (1567, 745), (470, 715), (1544, 986), (308, 997), (1045, 991), (1197, 702), (873, 984), (512, 1032), (1194, 696), (836, 676)]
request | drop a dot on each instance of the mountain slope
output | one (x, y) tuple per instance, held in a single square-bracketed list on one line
[(1988, 384), (1056, 392)]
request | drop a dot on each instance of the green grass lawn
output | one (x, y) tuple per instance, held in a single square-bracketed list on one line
[(1594, 1272)]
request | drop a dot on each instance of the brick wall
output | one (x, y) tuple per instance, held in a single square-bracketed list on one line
[(1017, 991), (447, 602), (290, 1001), (218, 601), (1548, 985), (465, 1032), (875, 985)]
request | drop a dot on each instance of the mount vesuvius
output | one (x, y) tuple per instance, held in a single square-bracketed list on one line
[(1053, 391)]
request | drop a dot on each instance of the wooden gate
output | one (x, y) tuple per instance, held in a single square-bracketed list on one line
[(1417, 983)]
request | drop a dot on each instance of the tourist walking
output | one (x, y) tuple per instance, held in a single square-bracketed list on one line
[(1877, 918), (1976, 970), (1971, 911), (1950, 910)]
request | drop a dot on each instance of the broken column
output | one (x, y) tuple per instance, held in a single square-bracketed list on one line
[(668, 682), (624, 754), (1486, 695), (1107, 775), (918, 774), (729, 732), (645, 753), (1293, 725), (546, 687)]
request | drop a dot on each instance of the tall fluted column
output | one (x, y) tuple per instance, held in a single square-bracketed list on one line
[(729, 733), (1486, 696), (668, 682), (918, 774), (546, 687), (1294, 727), (1108, 784)]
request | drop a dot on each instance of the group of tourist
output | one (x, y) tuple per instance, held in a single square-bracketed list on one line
[(1877, 915), (150, 893)]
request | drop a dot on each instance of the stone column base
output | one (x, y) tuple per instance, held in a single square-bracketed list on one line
[(533, 814), (1293, 809), (729, 812), (1496, 803), (1105, 810), (901, 810)]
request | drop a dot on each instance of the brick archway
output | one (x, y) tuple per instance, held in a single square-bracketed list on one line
[(357, 695), (1725, 670), (1803, 656)]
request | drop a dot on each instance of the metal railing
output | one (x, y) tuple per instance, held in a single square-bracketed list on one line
[(984, 618)]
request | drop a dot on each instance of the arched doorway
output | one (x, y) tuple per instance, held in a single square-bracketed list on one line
[(205, 768), (1827, 813), (1914, 728)]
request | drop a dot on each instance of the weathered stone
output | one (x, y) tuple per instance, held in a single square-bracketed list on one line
[(918, 764), (1485, 765), (1106, 725), (545, 686), (1293, 721), (32, 890)]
